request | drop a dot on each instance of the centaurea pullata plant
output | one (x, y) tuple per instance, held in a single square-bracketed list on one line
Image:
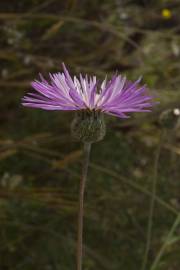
[(90, 99)]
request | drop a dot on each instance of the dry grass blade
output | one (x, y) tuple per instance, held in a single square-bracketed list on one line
[(101, 26), (172, 148), (7, 154), (67, 160), (53, 30), (134, 186)]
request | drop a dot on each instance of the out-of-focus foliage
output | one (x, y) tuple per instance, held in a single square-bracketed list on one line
[(40, 165)]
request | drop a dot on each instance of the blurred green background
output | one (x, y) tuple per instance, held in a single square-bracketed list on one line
[(40, 164)]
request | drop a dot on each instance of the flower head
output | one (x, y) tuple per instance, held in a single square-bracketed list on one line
[(117, 96)]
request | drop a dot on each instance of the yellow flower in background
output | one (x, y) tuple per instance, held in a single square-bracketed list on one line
[(166, 13)]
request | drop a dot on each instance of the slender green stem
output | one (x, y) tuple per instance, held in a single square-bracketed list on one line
[(134, 185), (87, 149), (166, 243), (152, 202)]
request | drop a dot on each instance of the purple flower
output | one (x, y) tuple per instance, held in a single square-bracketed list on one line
[(117, 96)]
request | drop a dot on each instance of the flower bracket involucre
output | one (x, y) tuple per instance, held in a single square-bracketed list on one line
[(88, 126)]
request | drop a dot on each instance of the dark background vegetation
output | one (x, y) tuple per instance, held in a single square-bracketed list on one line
[(40, 164)]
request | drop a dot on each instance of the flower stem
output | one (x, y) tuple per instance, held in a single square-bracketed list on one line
[(153, 200), (166, 243), (86, 150)]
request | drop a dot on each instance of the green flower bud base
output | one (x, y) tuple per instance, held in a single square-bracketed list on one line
[(88, 126), (169, 119)]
